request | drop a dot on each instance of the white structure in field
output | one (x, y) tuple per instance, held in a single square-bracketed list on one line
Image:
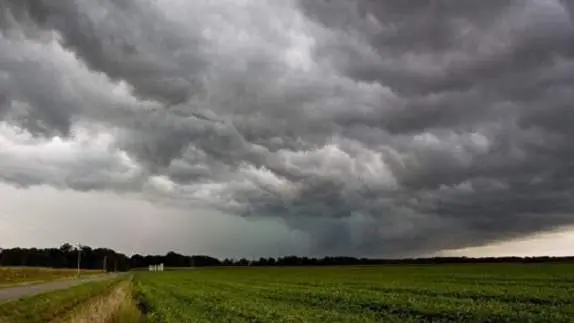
[(155, 267)]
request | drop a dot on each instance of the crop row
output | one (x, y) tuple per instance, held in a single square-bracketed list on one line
[(353, 295)]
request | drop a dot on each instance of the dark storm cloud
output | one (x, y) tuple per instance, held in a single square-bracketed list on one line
[(126, 40), (377, 127), (449, 58)]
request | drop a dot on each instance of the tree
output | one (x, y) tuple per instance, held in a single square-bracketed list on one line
[(66, 248)]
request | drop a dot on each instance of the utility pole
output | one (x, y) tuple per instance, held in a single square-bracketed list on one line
[(79, 258), (105, 268)]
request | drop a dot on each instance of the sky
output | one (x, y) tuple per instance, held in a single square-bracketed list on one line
[(248, 128)]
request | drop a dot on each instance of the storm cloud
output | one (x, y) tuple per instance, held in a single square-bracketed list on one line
[(374, 128)]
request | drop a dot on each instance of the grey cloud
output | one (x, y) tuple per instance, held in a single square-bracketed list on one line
[(126, 40), (492, 51), (382, 128), (88, 163)]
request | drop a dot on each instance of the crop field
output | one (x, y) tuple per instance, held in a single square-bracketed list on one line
[(439, 293), (10, 276)]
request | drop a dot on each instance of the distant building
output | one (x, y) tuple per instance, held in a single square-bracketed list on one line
[(156, 267)]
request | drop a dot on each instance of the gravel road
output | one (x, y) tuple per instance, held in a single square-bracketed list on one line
[(12, 293)]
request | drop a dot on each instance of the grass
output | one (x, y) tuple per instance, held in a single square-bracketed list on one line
[(54, 306), (128, 311), (15, 276), (439, 293), (118, 305)]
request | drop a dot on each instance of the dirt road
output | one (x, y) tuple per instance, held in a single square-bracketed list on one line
[(12, 293)]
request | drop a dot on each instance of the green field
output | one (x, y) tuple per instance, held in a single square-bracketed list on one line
[(439, 293)]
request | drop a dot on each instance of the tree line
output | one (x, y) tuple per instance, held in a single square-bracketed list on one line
[(66, 256)]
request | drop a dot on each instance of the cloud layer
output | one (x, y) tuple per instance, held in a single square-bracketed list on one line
[(387, 128)]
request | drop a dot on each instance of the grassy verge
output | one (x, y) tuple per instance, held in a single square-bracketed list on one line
[(51, 307), (18, 276), (129, 310), (117, 305)]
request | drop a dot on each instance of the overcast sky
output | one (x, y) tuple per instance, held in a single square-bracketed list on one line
[(388, 128)]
